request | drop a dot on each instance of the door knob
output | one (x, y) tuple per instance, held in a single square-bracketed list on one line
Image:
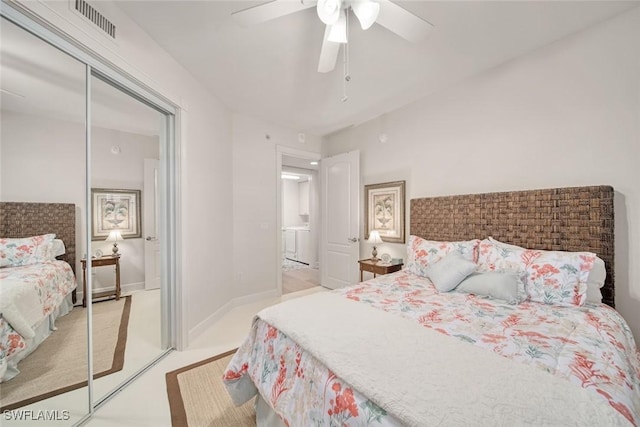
[(353, 239), (149, 238)]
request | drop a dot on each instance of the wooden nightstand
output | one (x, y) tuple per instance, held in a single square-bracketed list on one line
[(377, 267), (101, 262)]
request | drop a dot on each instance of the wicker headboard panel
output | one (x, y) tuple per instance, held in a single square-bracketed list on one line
[(32, 219), (567, 219)]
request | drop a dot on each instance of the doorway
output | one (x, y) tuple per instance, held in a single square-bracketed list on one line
[(299, 221)]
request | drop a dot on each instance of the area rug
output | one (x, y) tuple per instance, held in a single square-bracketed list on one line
[(289, 265), (197, 396), (59, 364)]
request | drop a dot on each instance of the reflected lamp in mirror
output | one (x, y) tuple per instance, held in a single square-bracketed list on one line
[(374, 239), (114, 236)]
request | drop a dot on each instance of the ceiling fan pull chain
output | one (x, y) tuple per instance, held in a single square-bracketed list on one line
[(345, 63)]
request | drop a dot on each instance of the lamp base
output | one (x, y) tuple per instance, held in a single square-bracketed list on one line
[(115, 249), (374, 254)]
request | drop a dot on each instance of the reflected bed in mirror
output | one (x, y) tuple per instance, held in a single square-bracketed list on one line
[(37, 280)]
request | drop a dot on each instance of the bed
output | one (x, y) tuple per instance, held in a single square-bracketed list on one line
[(398, 350), (38, 285)]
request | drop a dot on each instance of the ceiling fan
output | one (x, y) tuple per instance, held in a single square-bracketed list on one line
[(334, 13)]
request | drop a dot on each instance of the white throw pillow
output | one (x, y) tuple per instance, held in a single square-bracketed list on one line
[(57, 249), (595, 281), (504, 285), (447, 273)]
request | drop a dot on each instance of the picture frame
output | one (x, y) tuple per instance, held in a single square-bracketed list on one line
[(114, 209), (384, 210)]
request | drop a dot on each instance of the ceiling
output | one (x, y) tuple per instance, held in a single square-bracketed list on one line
[(269, 70), (40, 80)]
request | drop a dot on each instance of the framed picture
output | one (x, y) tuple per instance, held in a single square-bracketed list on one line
[(384, 210), (115, 210)]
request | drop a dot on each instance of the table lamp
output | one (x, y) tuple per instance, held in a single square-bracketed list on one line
[(114, 236), (374, 239)]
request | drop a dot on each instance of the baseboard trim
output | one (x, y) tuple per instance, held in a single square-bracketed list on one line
[(235, 302), (124, 289)]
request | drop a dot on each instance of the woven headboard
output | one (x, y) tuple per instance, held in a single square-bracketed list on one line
[(33, 219), (566, 219)]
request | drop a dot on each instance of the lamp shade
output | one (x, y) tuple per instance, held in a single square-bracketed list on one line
[(329, 11), (374, 238), (114, 236), (366, 11)]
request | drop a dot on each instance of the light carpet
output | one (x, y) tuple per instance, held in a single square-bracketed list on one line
[(197, 396), (59, 364)]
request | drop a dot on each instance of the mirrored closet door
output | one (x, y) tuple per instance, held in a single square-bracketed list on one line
[(85, 154), (42, 190), (125, 234)]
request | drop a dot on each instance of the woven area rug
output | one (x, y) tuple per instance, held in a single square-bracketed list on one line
[(197, 396), (289, 265), (59, 364)]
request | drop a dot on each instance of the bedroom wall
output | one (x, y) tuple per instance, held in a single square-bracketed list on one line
[(41, 158), (254, 202), (567, 114), (38, 148), (204, 133)]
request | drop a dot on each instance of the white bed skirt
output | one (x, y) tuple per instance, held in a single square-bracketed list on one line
[(265, 416), (42, 331)]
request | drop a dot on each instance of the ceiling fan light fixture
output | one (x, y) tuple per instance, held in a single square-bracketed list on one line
[(366, 11), (338, 32), (329, 11)]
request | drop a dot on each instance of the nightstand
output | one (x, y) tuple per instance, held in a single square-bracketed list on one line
[(378, 267), (101, 262)]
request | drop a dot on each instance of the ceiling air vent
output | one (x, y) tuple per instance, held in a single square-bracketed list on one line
[(96, 17)]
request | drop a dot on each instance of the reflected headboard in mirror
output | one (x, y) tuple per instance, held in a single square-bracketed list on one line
[(561, 219), (32, 219)]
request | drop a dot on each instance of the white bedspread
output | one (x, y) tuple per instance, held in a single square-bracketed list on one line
[(512, 392), (20, 305)]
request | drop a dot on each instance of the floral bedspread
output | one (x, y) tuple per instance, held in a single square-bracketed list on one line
[(51, 282), (590, 346)]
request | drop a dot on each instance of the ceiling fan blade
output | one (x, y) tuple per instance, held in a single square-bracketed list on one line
[(402, 22), (271, 10), (329, 53)]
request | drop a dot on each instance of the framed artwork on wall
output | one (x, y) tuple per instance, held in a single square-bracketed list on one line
[(115, 210), (384, 210)]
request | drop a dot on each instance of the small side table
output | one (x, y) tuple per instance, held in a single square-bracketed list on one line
[(101, 262), (377, 267)]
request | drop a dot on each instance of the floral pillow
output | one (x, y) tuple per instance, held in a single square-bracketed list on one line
[(560, 278), (25, 251), (421, 253), (494, 255), (551, 277)]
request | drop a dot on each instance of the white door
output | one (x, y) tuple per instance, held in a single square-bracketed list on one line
[(150, 225), (340, 201)]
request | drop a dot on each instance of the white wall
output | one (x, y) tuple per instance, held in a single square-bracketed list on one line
[(43, 161), (205, 206), (255, 178), (565, 115)]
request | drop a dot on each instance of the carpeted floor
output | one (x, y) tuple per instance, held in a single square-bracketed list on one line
[(197, 396), (59, 364)]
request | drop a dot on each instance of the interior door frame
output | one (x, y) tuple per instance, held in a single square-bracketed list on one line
[(174, 317), (293, 152)]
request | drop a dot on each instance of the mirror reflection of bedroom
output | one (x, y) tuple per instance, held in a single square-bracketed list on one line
[(300, 224), (43, 364)]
